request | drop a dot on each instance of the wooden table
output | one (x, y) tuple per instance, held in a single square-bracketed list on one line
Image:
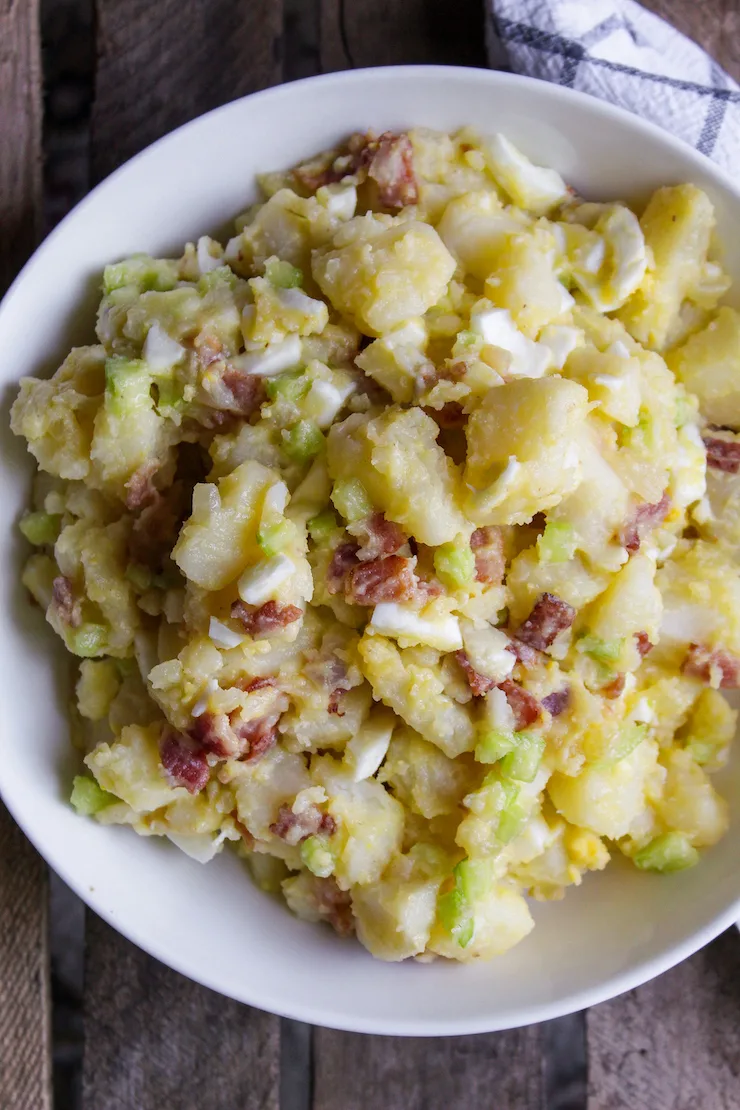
[(153, 1040)]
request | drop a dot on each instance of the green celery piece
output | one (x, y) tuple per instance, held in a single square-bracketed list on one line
[(701, 751), (144, 272), (322, 526), (303, 441), (40, 528), (222, 275), (127, 385), (511, 822), (283, 275), (467, 338), (494, 745), (473, 878), (292, 386), (523, 762), (139, 576), (351, 500), (317, 856), (604, 651), (627, 739), (673, 851), (88, 798), (455, 916), (170, 395), (273, 539), (455, 566), (557, 544), (88, 640)]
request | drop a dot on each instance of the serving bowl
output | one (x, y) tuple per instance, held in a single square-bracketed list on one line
[(621, 927)]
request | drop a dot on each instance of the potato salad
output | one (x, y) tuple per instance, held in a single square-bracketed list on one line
[(396, 539)]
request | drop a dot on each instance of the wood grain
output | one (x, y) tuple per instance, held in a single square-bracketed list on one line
[(355, 33), (20, 135), (162, 64), (714, 24), (156, 1041), (25, 1054), (672, 1044), (498, 1071)]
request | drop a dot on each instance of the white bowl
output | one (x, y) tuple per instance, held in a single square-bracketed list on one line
[(617, 930)]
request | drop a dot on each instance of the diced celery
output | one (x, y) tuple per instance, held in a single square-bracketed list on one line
[(522, 763), (604, 651), (88, 640), (351, 499), (673, 851), (502, 617), (222, 275), (167, 579), (273, 538), (139, 576), (473, 878), (455, 916), (291, 387), (170, 395), (40, 528), (317, 857), (89, 798), (303, 441), (643, 430), (455, 565), (467, 338), (282, 274), (683, 411), (625, 742), (494, 745), (127, 384), (145, 273), (701, 751), (511, 822), (322, 526), (557, 544)]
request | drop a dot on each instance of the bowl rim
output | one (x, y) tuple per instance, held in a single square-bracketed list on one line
[(321, 1013)]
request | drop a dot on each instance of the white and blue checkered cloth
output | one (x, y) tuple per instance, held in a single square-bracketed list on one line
[(618, 51)]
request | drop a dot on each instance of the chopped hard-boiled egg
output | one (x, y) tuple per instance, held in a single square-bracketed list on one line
[(260, 583), (409, 627)]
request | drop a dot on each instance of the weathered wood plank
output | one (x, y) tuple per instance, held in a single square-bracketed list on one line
[(714, 24), (20, 135), (355, 33), (162, 64), (25, 1053), (671, 1044), (354, 1072), (25, 1056), (154, 1040)]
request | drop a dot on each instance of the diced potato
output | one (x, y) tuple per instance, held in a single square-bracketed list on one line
[(130, 769), (677, 224), (630, 604), (701, 597), (97, 686), (395, 916), (423, 777), (405, 472), (501, 918), (381, 276), (265, 784), (710, 730), (475, 228), (521, 458), (689, 803), (613, 382), (572, 581), (524, 281), (708, 364), (395, 360)]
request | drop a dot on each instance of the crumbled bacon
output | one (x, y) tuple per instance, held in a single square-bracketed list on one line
[(335, 699), (155, 529), (246, 835), (523, 653), (328, 671), (390, 579), (643, 520), (525, 707), (342, 561), (213, 732), (208, 349), (615, 688), (479, 683), (68, 607), (140, 489), (549, 617), (392, 168), (451, 415), (427, 588), (295, 827), (701, 662), (334, 906), (643, 643), (378, 537), (260, 735), (249, 685), (723, 454), (183, 760), (248, 390), (265, 619), (556, 702), (488, 547)]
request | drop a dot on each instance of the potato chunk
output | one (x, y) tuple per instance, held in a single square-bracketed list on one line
[(708, 364), (382, 279)]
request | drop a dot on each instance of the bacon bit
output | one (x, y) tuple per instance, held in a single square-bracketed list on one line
[(479, 683), (213, 732), (261, 735), (208, 349), (392, 168), (249, 685), (549, 617), (140, 489), (643, 644), (328, 671), (246, 835), (523, 653), (378, 537), (701, 662), (184, 762), (344, 558), (68, 607), (390, 579), (248, 390), (335, 698), (525, 707), (427, 588), (487, 545), (556, 702), (267, 618), (155, 530), (615, 688), (645, 518), (451, 415), (723, 454), (295, 827), (334, 906)]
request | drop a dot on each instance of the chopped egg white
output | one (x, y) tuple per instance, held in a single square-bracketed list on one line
[(273, 359), (260, 582), (560, 340), (339, 200), (534, 187), (207, 260), (223, 636), (161, 351), (276, 499), (643, 712), (528, 359), (201, 704), (325, 399), (498, 711), (368, 748), (486, 648), (407, 625)]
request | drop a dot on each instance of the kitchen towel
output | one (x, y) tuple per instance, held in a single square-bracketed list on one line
[(622, 53)]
